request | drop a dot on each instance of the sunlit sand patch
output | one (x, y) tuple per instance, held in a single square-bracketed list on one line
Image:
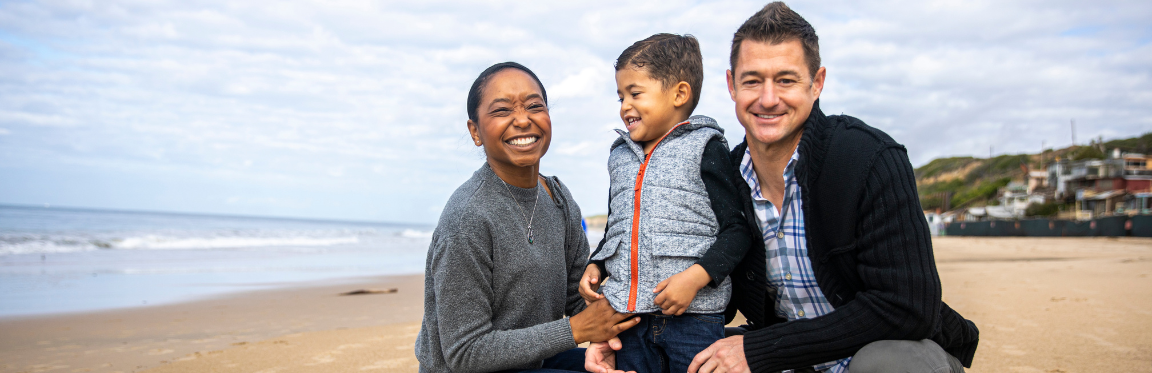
[(387, 364)]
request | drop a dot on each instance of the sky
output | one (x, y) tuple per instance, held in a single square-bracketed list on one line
[(355, 110)]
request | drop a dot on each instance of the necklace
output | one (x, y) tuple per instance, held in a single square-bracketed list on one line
[(522, 214)]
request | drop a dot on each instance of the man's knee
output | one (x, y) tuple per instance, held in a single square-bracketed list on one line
[(902, 356)]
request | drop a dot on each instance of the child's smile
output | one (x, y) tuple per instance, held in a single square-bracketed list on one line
[(648, 108)]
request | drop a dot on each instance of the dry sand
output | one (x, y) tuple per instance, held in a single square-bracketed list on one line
[(1042, 305)]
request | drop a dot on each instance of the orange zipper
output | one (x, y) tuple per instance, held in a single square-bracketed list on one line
[(636, 222)]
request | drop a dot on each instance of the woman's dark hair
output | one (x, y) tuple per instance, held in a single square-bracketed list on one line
[(482, 80)]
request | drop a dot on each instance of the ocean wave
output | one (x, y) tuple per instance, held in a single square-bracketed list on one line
[(27, 244), (412, 233)]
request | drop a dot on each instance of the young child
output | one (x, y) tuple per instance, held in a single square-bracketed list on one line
[(675, 228)]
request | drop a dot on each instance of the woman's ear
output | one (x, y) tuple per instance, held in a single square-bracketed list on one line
[(475, 132), (683, 94)]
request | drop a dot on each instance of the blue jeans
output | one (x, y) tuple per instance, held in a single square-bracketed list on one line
[(662, 343), (571, 361)]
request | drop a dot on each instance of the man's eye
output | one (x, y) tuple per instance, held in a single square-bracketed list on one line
[(787, 81)]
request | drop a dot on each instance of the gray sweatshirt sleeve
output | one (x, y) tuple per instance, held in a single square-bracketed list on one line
[(462, 275)]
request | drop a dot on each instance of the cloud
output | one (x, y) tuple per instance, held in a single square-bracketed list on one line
[(355, 109)]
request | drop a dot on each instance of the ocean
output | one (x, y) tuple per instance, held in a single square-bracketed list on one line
[(60, 260)]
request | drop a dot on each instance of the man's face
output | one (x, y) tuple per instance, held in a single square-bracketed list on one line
[(773, 91)]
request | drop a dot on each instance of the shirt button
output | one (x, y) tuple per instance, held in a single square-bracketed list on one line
[(780, 234), (749, 275), (801, 313), (788, 276)]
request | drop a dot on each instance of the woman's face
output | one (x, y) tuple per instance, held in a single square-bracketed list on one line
[(512, 120)]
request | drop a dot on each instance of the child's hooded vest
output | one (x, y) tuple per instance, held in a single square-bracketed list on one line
[(675, 224)]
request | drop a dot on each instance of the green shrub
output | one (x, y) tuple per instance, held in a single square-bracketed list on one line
[(1042, 209)]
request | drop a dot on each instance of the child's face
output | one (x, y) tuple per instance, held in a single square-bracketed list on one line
[(646, 106)]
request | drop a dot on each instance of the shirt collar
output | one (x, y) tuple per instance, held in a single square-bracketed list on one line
[(749, 172)]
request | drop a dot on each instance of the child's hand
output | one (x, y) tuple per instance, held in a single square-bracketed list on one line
[(677, 292), (590, 283)]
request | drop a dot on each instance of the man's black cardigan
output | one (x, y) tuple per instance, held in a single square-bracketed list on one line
[(870, 249)]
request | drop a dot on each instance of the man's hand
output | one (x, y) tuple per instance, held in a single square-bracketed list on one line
[(590, 283), (726, 355), (600, 357), (677, 292), (599, 322)]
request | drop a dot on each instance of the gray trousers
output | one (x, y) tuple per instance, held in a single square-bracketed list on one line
[(904, 356), (923, 356)]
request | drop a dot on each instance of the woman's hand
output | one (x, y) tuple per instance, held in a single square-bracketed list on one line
[(599, 322), (600, 357), (677, 292), (590, 283)]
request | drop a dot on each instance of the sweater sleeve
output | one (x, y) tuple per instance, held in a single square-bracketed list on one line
[(600, 246), (576, 249), (732, 240), (900, 289), (462, 274)]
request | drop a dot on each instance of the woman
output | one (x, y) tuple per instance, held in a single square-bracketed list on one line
[(508, 252)]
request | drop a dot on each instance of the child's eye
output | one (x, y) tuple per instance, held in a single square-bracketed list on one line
[(620, 100)]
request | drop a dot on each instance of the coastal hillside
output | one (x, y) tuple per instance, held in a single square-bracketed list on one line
[(974, 181)]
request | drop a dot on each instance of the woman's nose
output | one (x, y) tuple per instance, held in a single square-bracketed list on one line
[(521, 119)]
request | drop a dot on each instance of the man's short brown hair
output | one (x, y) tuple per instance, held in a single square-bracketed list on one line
[(775, 24), (669, 58)]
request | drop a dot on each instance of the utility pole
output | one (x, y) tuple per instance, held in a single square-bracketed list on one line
[(989, 151), (1073, 132)]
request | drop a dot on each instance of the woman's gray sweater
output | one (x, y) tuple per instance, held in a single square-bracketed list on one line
[(492, 301)]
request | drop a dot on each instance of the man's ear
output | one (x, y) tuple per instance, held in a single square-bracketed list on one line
[(731, 85), (818, 82), (683, 94), (475, 132)]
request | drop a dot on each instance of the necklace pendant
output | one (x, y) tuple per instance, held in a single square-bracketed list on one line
[(529, 235)]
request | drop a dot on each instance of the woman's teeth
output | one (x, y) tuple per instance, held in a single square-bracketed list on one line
[(522, 141)]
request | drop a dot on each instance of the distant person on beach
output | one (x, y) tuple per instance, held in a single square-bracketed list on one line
[(508, 252), (841, 275), (675, 228)]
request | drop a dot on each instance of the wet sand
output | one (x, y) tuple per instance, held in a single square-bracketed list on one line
[(1042, 304)]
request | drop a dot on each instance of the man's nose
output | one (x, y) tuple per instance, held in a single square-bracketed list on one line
[(768, 96)]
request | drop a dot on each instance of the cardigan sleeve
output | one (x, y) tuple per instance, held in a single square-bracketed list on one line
[(732, 239), (899, 297)]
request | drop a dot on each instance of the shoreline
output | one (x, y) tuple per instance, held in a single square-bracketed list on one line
[(1042, 305), (132, 339)]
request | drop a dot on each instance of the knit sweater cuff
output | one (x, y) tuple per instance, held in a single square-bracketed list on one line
[(558, 336)]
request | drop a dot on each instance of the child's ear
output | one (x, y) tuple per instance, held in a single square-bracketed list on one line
[(683, 94)]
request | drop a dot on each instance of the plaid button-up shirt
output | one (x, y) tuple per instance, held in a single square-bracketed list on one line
[(798, 296)]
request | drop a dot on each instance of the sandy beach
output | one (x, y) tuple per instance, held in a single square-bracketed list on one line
[(1042, 305)]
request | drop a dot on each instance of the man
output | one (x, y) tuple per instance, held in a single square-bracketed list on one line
[(841, 275)]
